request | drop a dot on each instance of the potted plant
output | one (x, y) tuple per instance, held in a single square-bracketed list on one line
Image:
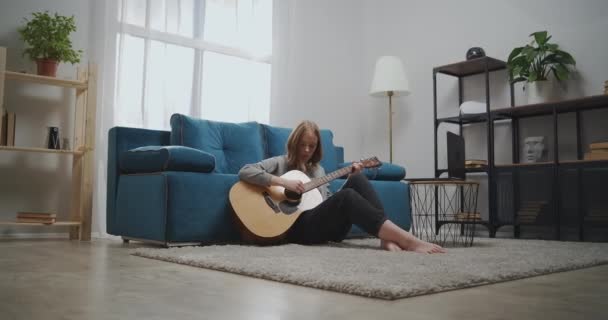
[(535, 62), (48, 41)]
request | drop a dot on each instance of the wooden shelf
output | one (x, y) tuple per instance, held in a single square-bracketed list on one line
[(27, 77), (519, 165), (582, 161), (82, 138), (471, 67), (465, 119), (546, 108), (471, 118), (57, 224), (467, 170), (40, 150), (602, 163)]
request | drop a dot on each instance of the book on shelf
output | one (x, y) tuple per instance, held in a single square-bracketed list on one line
[(3, 125), (467, 216), (596, 156), (37, 220), (599, 145), (36, 217), (526, 213), (42, 215), (11, 119), (476, 161), (2, 110)]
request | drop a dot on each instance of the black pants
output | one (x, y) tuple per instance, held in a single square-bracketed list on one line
[(356, 203)]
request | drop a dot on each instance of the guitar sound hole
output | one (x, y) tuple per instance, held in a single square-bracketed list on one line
[(288, 207), (293, 196)]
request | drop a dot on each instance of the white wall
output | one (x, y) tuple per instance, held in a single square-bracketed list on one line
[(32, 181), (322, 76), (332, 37)]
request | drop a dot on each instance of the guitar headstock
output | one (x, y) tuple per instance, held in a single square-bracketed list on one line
[(371, 162)]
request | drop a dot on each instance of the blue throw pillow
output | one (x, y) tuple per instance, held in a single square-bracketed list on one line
[(166, 158), (276, 144), (233, 144)]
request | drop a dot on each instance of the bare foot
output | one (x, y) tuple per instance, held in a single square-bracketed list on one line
[(389, 246), (425, 247)]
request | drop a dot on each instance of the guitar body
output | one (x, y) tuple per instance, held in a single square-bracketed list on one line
[(265, 214)]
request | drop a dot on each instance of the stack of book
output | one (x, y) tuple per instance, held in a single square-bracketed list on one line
[(606, 87), (597, 151), (36, 217), (468, 216), (529, 210), (473, 163)]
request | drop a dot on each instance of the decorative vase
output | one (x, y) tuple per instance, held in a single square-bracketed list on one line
[(47, 67), (474, 53), (543, 91)]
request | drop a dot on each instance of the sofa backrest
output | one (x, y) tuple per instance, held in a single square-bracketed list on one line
[(237, 144), (233, 144), (276, 144)]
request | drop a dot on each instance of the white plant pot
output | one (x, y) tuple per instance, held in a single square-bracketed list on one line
[(543, 91)]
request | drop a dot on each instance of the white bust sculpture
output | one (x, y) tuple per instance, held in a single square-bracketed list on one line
[(534, 148)]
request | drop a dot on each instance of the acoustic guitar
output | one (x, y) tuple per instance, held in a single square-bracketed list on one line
[(264, 214)]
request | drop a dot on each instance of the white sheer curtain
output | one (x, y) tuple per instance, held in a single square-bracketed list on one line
[(210, 59)]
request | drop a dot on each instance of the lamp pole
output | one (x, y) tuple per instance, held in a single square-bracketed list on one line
[(390, 123)]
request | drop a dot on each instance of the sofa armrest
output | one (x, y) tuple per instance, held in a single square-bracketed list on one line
[(386, 172), (166, 158), (121, 139)]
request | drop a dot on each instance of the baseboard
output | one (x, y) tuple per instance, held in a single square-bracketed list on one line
[(36, 235), (54, 235)]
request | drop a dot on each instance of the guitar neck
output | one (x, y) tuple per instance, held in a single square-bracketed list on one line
[(316, 182)]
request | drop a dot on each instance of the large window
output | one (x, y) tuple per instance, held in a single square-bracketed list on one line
[(210, 59)]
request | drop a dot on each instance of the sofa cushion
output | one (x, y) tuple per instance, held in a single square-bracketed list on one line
[(276, 144), (233, 144), (386, 172), (166, 158)]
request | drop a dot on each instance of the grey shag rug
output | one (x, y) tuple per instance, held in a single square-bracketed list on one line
[(359, 267)]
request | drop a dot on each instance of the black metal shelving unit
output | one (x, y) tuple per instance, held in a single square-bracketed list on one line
[(561, 188), (460, 70), (569, 187)]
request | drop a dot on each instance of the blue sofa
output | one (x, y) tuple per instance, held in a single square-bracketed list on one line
[(172, 187)]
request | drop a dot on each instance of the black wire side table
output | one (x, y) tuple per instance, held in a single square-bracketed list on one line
[(444, 211)]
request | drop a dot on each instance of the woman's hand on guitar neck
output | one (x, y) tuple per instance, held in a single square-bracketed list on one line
[(356, 167), (293, 185)]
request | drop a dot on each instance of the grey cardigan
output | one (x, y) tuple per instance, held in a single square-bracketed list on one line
[(261, 173)]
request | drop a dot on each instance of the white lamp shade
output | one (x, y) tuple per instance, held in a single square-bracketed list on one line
[(389, 76)]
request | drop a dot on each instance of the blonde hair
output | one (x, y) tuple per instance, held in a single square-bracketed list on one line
[(294, 140)]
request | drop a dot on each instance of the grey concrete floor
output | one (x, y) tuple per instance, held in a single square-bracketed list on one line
[(62, 279)]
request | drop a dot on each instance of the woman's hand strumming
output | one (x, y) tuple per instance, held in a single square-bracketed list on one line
[(293, 185)]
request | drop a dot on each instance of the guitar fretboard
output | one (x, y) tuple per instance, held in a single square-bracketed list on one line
[(316, 182)]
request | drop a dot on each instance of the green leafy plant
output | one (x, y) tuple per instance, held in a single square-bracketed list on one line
[(48, 37), (537, 60)]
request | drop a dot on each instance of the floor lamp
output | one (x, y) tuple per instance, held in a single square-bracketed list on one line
[(389, 80)]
